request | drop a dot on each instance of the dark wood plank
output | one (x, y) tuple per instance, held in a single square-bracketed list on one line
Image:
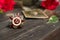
[(33, 29), (53, 36)]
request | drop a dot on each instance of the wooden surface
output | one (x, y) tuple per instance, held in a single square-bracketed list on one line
[(33, 29), (54, 36)]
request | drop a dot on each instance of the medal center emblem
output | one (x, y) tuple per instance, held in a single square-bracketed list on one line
[(17, 21)]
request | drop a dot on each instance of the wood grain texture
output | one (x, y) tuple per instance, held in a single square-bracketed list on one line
[(33, 29), (54, 36)]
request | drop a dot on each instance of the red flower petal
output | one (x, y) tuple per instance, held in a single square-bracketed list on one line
[(7, 5), (50, 4)]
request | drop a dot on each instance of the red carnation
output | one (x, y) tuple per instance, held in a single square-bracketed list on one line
[(6, 5), (50, 4)]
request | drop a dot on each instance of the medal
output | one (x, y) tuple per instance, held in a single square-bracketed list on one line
[(16, 21)]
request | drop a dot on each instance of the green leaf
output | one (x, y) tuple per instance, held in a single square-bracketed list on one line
[(53, 19)]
